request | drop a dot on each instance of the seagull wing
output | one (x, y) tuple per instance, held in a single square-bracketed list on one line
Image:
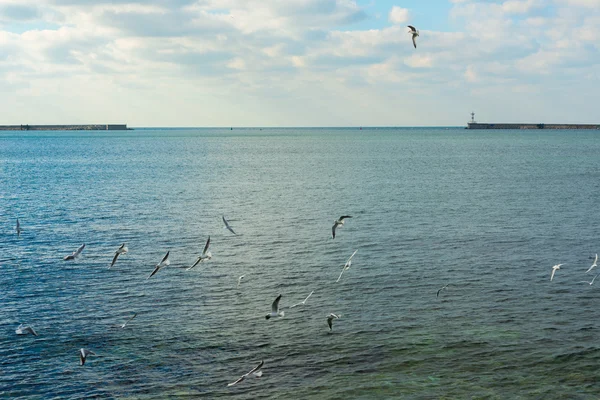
[(438, 293), (154, 272), (343, 217), (275, 305), (333, 230), (165, 259), (590, 268), (329, 322), (82, 356), (129, 320), (79, 250), (238, 381), (259, 366), (351, 256), (206, 246), (552, 276), (308, 296), (412, 28), (340, 277), (414, 41), (114, 260), (227, 226), (196, 263)]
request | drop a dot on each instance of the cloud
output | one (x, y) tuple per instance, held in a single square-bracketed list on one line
[(398, 15)]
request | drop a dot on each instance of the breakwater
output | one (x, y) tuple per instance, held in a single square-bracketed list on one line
[(481, 125), (79, 127)]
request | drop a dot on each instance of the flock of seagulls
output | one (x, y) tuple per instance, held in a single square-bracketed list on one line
[(276, 310), (594, 264)]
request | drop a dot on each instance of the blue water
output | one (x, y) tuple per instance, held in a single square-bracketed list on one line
[(487, 212)]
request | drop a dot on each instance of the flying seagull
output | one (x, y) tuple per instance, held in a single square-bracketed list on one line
[(414, 33), (337, 223), (75, 254), (121, 250), (204, 256), (554, 268), (255, 371), (592, 282), (228, 226), (593, 265), (303, 301), (128, 321), (275, 309), (438, 292), (83, 353), (18, 228), (346, 266), (240, 280), (330, 318), (163, 263), (25, 329)]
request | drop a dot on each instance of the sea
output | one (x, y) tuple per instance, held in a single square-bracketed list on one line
[(486, 212)]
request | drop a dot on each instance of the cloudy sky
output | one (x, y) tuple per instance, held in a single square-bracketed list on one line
[(298, 62)]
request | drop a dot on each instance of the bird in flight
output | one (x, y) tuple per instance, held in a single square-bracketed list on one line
[(83, 353), (228, 226), (590, 283), (75, 254), (338, 222), (593, 265), (275, 309), (25, 329), (163, 263), (346, 266), (240, 280), (256, 372), (554, 269), (121, 250), (18, 228), (438, 292), (303, 301), (414, 33), (204, 256), (128, 321), (330, 319)]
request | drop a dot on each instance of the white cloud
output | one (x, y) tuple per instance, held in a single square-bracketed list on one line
[(398, 15)]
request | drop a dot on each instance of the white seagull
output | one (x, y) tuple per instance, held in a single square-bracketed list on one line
[(346, 266), (255, 371), (414, 33), (228, 226), (75, 254), (163, 263), (121, 250), (590, 283), (554, 268), (593, 265), (83, 353), (438, 292), (18, 228), (303, 301), (204, 256), (128, 321), (240, 280), (25, 329), (337, 223), (275, 309), (330, 318)]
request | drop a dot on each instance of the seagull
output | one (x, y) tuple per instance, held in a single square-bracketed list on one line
[(83, 353), (438, 292), (337, 223), (346, 266), (592, 282), (275, 309), (204, 256), (240, 280), (303, 301), (163, 263), (18, 228), (255, 371), (414, 33), (128, 321), (121, 250), (593, 265), (75, 254), (25, 329), (554, 268), (330, 318), (227, 226)]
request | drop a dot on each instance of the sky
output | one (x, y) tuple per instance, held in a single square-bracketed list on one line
[(269, 63)]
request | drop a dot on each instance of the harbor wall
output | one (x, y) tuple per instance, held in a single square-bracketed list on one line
[(478, 125), (81, 127)]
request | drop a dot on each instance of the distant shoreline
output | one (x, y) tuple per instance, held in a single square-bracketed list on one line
[(77, 127)]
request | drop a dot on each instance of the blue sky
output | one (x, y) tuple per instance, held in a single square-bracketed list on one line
[(298, 62)]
